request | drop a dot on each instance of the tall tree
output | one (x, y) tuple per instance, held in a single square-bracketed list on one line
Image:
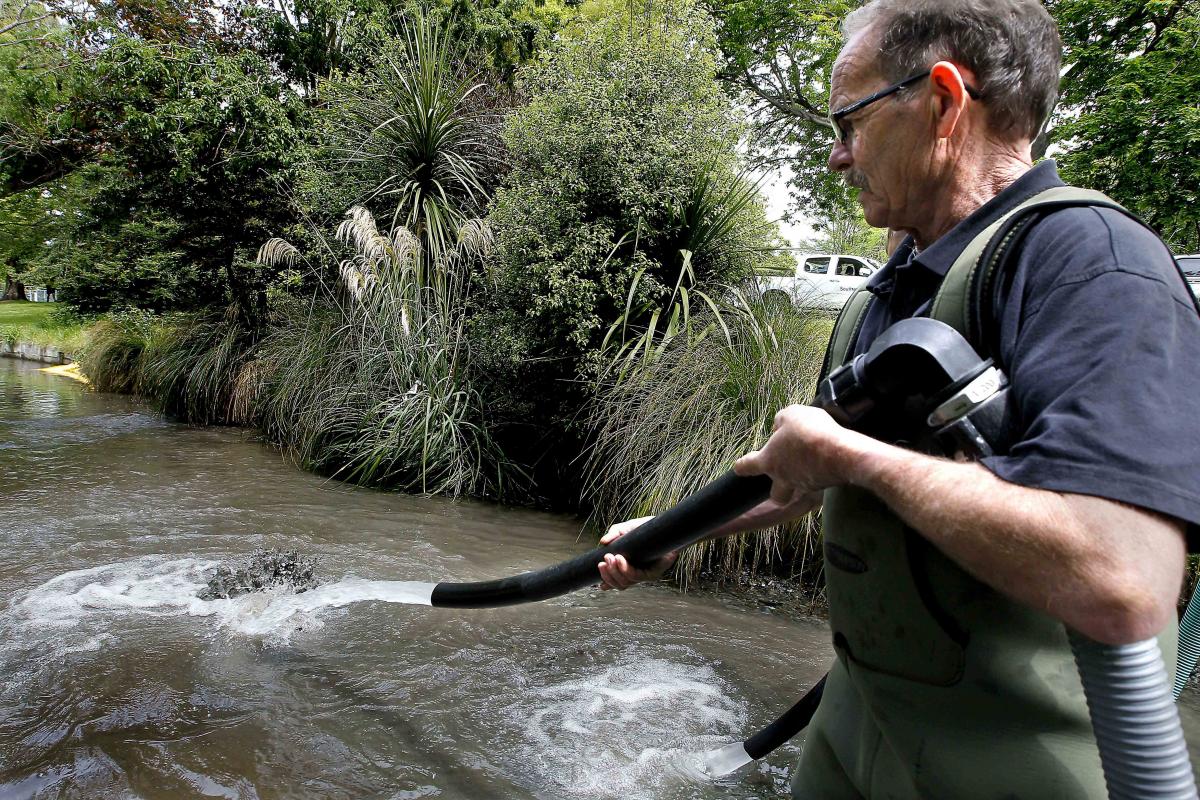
[(26, 225), (196, 144), (310, 40), (505, 33), (1129, 120), (36, 144), (23, 21), (777, 56), (165, 162)]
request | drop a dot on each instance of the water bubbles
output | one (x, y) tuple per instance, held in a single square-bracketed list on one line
[(635, 729)]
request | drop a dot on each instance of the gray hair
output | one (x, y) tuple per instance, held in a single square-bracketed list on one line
[(1011, 45)]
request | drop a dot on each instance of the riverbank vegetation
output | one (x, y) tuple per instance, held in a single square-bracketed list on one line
[(502, 250), (42, 324), (670, 424)]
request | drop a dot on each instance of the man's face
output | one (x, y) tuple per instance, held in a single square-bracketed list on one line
[(889, 151)]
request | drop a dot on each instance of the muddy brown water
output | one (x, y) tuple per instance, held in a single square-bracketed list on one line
[(116, 682)]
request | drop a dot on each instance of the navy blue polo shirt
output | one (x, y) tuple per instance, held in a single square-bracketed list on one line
[(1100, 339)]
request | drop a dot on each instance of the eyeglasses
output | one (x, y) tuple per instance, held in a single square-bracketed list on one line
[(835, 117)]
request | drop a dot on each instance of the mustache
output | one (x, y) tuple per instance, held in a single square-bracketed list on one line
[(856, 180)]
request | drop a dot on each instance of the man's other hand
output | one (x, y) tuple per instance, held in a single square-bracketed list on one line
[(616, 572)]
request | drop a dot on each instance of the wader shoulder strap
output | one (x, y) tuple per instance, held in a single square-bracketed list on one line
[(845, 330), (963, 301)]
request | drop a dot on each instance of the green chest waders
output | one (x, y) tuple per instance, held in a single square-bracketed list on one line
[(943, 688)]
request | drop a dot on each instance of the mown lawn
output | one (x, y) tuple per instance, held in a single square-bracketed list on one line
[(36, 323), (15, 312)]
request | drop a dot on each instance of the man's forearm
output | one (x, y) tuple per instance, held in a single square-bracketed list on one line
[(767, 515), (1107, 570)]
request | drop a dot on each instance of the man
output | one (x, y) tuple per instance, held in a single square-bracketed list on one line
[(950, 583)]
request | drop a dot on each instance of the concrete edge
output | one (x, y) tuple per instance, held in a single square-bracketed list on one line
[(45, 354)]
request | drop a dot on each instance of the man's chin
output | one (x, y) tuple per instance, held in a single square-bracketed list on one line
[(872, 212)]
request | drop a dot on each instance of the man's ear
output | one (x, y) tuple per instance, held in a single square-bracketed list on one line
[(949, 97)]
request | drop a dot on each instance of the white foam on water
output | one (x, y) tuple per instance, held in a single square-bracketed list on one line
[(159, 586), (279, 612), (146, 586), (639, 729)]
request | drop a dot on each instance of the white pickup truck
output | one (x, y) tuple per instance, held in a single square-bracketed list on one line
[(820, 281), (1191, 270)]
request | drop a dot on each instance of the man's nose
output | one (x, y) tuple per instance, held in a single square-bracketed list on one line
[(839, 157)]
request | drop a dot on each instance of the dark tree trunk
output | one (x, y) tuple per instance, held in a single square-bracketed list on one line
[(13, 289), (249, 300)]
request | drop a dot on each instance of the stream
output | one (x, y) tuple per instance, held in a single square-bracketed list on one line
[(118, 682)]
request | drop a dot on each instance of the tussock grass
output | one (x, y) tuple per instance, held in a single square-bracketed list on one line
[(677, 422), (190, 363), (350, 393), (111, 354), (184, 363), (369, 387)]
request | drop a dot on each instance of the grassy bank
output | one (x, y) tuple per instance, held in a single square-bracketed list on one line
[(42, 324), (370, 384)]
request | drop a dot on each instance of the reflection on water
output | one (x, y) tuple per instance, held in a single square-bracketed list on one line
[(118, 682)]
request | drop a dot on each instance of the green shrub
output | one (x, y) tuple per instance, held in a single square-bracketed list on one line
[(623, 163), (680, 420)]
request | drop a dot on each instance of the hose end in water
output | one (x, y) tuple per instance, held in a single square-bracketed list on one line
[(727, 759)]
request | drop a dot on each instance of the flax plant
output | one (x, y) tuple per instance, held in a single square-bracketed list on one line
[(705, 228)]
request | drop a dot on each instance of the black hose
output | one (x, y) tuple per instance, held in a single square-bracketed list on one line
[(794, 720), (696, 516), (735, 755)]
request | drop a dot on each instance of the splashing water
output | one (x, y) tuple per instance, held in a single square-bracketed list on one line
[(650, 725), (277, 612), (155, 586), (667, 713), (263, 570)]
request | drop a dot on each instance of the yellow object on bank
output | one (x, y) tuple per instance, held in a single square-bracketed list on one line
[(67, 371)]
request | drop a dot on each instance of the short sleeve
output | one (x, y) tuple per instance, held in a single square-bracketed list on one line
[(1100, 342)]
